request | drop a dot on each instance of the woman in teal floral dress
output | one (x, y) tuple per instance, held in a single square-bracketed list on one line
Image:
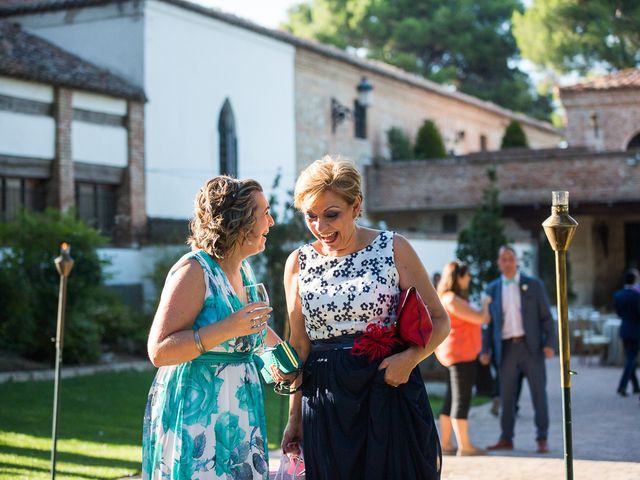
[(205, 413)]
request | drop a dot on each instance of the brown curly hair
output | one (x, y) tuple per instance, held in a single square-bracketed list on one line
[(223, 215)]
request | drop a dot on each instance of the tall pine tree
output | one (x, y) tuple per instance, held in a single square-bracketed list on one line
[(464, 43), (479, 243)]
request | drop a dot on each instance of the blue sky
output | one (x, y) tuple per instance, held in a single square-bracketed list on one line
[(269, 13)]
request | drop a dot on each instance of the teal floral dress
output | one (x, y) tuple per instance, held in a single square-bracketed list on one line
[(205, 418)]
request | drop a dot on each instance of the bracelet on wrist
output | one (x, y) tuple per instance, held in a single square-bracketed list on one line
[(198, 340)]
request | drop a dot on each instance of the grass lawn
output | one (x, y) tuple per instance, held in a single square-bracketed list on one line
[(100, 426)]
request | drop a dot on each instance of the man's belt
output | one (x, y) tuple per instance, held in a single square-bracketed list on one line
[(514, 339)]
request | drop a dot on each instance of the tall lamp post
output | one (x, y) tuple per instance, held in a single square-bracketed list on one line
[(560, 228), (64, 264)]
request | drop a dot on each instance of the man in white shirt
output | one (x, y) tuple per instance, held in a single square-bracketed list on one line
[(521, 335)]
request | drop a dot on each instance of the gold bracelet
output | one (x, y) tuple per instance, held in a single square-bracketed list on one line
[(198, 340)]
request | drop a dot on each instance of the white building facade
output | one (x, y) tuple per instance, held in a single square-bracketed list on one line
[(224, 95)]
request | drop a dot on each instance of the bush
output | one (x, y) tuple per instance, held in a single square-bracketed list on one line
[(165, 259), (29, 284), (288, 233), (478, 244), (399, 144), (429, 142), (514, 136)]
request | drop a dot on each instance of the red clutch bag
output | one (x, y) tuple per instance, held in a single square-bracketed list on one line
[(413, 319)]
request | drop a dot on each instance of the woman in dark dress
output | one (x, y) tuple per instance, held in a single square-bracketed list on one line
[(356, 418)]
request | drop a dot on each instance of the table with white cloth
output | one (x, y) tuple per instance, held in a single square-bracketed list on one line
[(615, 351)]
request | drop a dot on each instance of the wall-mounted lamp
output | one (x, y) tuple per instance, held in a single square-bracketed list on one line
[(340, 112)]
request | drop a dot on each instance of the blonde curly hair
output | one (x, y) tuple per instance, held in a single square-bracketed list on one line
[(223, 215), (328, 174)]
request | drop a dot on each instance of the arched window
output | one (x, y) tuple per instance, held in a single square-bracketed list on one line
[(634, 143), (228, 141)]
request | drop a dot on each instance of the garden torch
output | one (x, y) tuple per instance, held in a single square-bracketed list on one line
[(64, 264), (560, 228)]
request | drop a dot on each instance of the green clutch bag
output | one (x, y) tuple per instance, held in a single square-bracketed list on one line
[(283, 356)]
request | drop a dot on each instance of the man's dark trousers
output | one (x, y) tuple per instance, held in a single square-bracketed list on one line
[(516, 358)]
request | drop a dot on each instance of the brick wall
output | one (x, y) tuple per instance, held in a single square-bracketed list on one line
[(131, 219), (458, 183), (61, 189), (602, 119), (395, 102), (604, 197)]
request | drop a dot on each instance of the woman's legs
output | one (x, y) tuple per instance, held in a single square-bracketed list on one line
[(446, 433), (461, 429), (462, 377), (445, 420)]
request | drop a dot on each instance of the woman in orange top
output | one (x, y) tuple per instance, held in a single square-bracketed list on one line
[(458, 353)]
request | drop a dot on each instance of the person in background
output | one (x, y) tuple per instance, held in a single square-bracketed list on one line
[(459, 353), (627, 303), (436, 279), (636, 272), (520, 335)]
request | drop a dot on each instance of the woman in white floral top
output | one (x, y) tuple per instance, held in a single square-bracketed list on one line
[(358, 417)]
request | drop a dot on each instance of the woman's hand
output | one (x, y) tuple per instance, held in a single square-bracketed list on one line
[(398, 367), (279, 376), (249, 319), (292, 436)]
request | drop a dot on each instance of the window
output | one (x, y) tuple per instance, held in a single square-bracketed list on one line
[(483, 143), (228, 141), (450, 223), (360, 119), (96, 205), (17, 193), (634, 143)]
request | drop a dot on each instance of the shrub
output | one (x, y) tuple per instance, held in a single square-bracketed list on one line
[(478, 244), (429, 142), (514, 136), (29, 284), (399, 144)]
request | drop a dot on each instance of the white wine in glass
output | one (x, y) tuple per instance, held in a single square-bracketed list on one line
[(252, 294)]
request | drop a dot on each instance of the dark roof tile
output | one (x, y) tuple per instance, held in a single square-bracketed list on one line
[(30, 57)]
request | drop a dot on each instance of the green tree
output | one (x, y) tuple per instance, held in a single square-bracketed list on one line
[(288, 233), (29, 290), (514, 136), (479, 243), (399, 144), (429, 142), (465, 43), (569, 35)]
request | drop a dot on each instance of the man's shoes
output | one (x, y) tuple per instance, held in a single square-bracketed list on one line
[(622, 393), (542, 447), (502, 444), (495, 407)]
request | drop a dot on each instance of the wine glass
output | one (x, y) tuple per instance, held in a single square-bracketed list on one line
[(257, 293)]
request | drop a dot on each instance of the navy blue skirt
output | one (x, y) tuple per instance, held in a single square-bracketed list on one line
[(358, 427)]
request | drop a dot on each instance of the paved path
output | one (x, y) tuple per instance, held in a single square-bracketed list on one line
[(606, 434)]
